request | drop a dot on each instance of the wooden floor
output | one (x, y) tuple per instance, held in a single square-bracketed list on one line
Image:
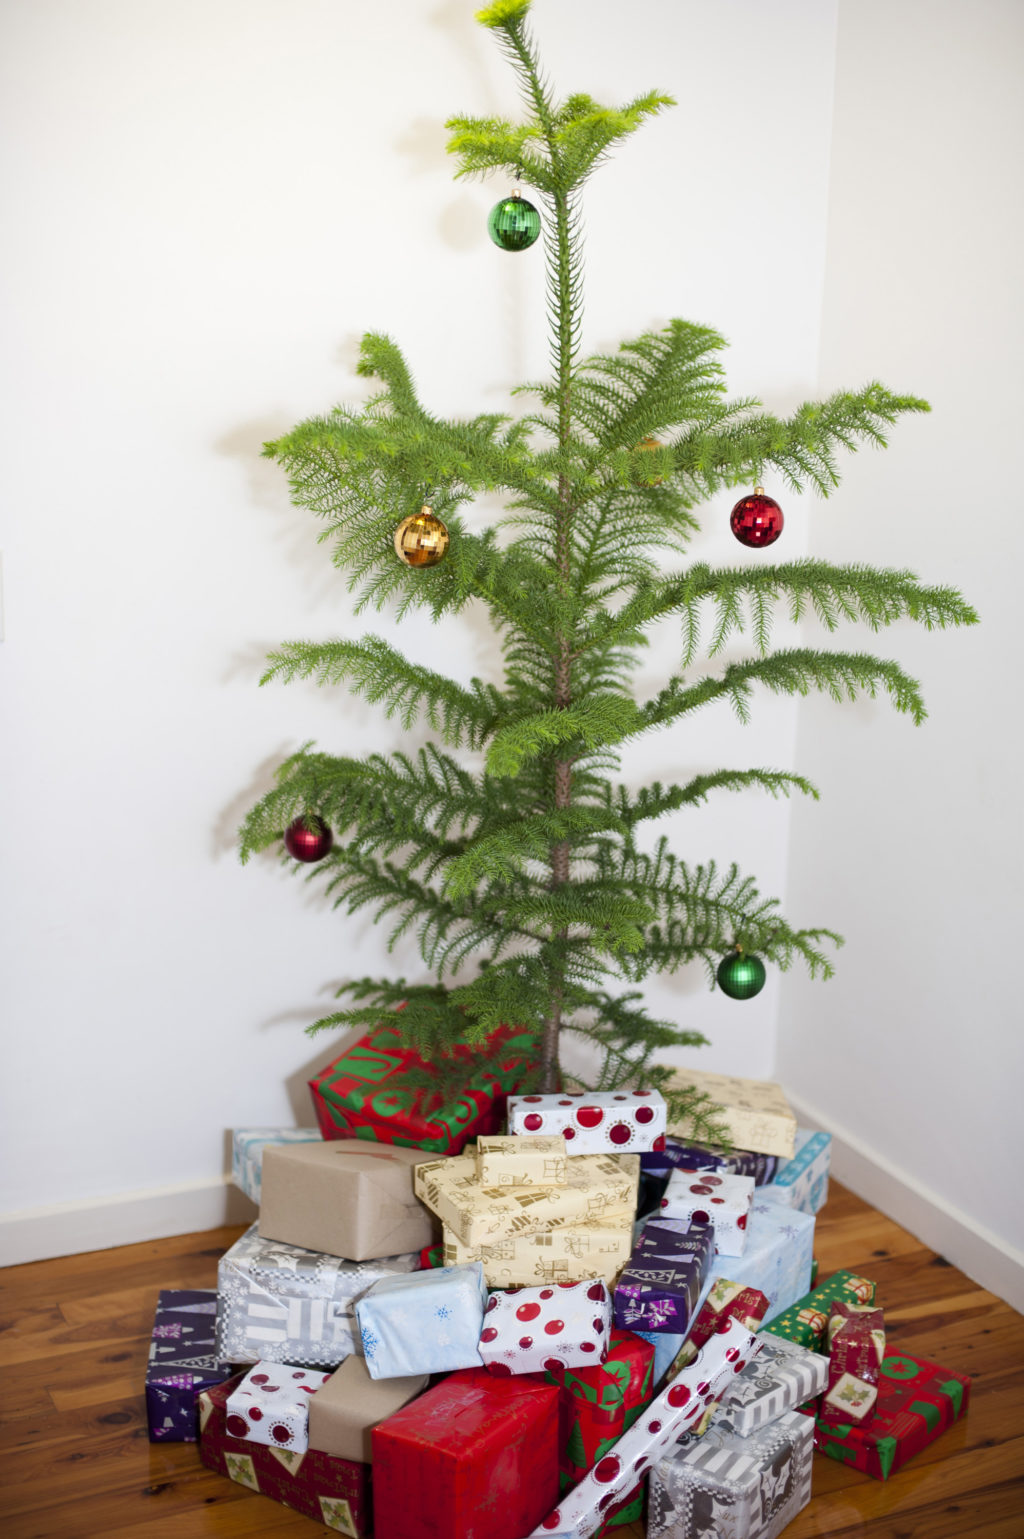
[(74, 1335)]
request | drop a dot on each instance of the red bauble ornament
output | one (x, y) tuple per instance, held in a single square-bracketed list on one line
[(756, 520), (308, 839)]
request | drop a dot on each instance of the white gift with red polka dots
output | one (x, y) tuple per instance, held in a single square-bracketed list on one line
[(712, 1196), (546, 1330), (676, 1410), (593, 1122), (271, 1405)]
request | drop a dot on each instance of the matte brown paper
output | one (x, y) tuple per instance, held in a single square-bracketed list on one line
[(344, 1197), (343, 1414)]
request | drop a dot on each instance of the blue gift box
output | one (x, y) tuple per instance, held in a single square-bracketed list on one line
[(182, 1361), (426, 1322), (802, 1182), (247, 1145)]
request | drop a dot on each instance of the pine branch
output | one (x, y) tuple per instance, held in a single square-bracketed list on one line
[(655, 800), (593, 723)]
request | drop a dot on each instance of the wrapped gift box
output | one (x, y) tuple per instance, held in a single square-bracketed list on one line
[(592, 1122), (856, 1347), (247, 1146), (784, 1377), (474, 1458), (521, 1161), (429, 1322), (802, 1182), (537, 1330), (347, 1198), (777, 1260), (335, 1492), (597, 1188), (555, 1255), (724, 1484), (659, 1289), (679, 1155), (183, 1360), (754, 1112), (917, 1401), (289, 1305), (683, 1404), (271, 1405), (598, 1405), (365, 1092), (343, 1414), (708, 1197), (725, 1301), (806, 1320)]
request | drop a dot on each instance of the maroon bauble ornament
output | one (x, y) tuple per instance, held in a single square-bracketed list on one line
[(756, 520), (308, 839)]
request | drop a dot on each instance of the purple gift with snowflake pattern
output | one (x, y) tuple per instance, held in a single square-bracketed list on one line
[(182, 1361), (658, 1290), (425, 1322)]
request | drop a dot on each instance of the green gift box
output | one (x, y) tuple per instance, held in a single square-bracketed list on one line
[(806, 1321)]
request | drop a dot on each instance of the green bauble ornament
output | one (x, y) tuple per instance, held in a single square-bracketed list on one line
[(513, 224), (740, 975)]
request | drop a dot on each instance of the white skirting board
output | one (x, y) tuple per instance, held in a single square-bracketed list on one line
[(99, 1223), (986, 1258)]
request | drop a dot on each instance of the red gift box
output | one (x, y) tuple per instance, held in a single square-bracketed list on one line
[(916, 1402), (598, 1404), (474, 1458), (364, 1093), (336, 1492)]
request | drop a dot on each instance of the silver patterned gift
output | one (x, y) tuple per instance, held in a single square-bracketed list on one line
[(724, 1486), (784, 1376), (289, 1305)]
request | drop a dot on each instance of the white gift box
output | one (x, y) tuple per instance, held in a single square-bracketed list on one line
[(679, 1407), (709, 1196), (543, 1330), (593, 1122), (271, 1405)]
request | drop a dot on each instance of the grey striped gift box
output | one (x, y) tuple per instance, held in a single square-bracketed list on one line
[(783, 1376), (724, 1486)]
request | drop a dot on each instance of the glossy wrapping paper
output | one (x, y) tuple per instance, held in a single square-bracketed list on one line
[(680, 1155), (570, 1254), (917, 1402), (271, 1405), (659, 1289), (593, 1122), (806, 1320), (365, 1092), (782, 1378), (334, 1492), (538, 1330), (733, 1487), (474, 1458), (247, 1146), (182, 1361), (856, 1347), (725, 1301), (711, 1197), (802, 1182), (754, 1112), (598, 1187), (681, 1405)]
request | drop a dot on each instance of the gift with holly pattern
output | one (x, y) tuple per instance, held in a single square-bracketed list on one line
[(917, 1401), (806, 1321), (856, 1336)]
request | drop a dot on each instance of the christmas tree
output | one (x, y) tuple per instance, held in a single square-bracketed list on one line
[(507, 850)]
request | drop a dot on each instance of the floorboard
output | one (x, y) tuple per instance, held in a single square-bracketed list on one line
[(77, 1462)]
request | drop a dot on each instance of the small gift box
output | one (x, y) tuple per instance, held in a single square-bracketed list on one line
[(681, 1406), (349, 1198), (731, 1486), (592, 1122), (247, 1146), (917, 1401), (571, 1254), (183, 1360), (334, 1492), (725, 1301), (856, 1335), (538, 1329), (706, 1197), (521, 1161), (754, 1112), (659, 1289), (343, 1414), (283, 1304), (271, 1405), (777, 1260), (474, 1458), (598, 1187), (806, 1321), (784, 1377), (802, 1182), (428, 1322), (367, 1093), (680, 1155), (598, 1404)]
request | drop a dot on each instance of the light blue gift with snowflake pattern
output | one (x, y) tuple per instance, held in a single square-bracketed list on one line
[(425, 1322)]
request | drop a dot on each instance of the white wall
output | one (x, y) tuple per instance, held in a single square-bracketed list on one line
[(205, 204), (914, 1052)]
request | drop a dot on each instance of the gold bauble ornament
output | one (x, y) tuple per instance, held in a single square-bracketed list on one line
[(421, 539)]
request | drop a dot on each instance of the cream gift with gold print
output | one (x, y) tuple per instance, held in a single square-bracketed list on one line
[(754, 1112), (599, 1188), (564, 1255), (521, 1161)]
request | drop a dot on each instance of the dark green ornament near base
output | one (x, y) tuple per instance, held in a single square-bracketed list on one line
[(513, 224), (741, 976)]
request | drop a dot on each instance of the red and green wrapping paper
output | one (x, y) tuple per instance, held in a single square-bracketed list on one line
[(597, 1406), (365, 1093), (806, 1321), (474, 1458), (917, 1401), (335, 1492)]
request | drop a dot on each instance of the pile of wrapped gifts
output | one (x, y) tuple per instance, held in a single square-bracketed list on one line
[(437, 1329)]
